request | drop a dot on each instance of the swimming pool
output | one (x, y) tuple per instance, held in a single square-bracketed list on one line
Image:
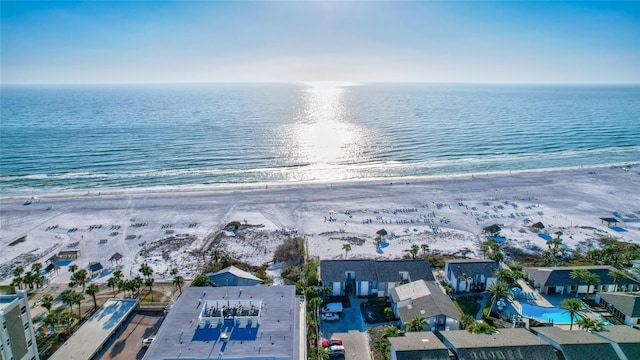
[(547, 314)]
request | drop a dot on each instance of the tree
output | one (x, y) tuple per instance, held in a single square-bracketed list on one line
[(77, 299), (92, 290), (113, 283), (392, 331), (51, 320), (68, 297), (17, 276), (416, 324), (146, 270), (617, 275), (178, 281), (66, 317), (466, 321), (149, 282), (314, 305), (216, 254), (414, 250), (591, 279), (173, 272), (118, 275), (47, 302), (574, 307), (579, 275), (481, 327), (499, 290), (466, 278), (346, 247), (200, 280), (383, 346), (73, 268), (424, 248), (81, 277)]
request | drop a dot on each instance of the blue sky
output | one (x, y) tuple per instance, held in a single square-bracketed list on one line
[(423, 41)]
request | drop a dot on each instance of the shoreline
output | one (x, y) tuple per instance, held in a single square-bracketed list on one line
[(283, 185)]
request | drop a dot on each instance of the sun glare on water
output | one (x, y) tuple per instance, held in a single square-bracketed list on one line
[(323, 137)]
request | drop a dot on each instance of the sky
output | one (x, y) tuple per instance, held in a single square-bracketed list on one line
[(292, 41)]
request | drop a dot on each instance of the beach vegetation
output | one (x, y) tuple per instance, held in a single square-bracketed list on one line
[(92, 290), (47, 302), (383, 346), (416, 324), (291, 252), (573, 307), (466, 321), (388, 313), (436, 261), (414, 251), (201, 280), (481, 327), (178, 281), (425, 248), (492, 250), (392, 331), (346, 247)]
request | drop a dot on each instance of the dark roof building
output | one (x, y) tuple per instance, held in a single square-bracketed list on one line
[(577, 344), (418, 346), (375, 270), (472, 267), (94, 267), (512, 344), (421, 298), (255, 322), (623, 306), (624, 339), (561, 275), (232, 276)]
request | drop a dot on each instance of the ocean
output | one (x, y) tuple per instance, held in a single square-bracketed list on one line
[(105, 137)]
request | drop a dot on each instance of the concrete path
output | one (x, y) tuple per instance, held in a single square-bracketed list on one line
[(485, 298)]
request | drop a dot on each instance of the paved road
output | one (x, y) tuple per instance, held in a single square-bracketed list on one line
[(128, 345)]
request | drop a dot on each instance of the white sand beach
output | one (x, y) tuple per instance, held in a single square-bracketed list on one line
[(172, 229)]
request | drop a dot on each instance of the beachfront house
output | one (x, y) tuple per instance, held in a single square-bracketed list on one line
[(576, 345), (623, 306), (371, 277), (425, 298), (466, 275), (232, 276), (422, 345), (558, 280), (512, 344)]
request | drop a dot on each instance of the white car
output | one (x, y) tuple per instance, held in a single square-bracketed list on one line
[(147, 341), (330, 317), (336, 350)]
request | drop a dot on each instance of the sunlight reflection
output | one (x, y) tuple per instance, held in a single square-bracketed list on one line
[(323, 138)]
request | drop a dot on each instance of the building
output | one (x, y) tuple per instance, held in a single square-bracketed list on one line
[(557, 280), (418, 346), (95, 333), (421, 298), (232, 276), (371, 277), (623, 306), (17, 337), (512, 344), (470, 274), (624, 339), (255, 322), (576, 344)]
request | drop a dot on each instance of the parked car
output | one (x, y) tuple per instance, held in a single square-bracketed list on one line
[(336, 350), (147, 341), (330, 317), (332, 307), (331, 342)]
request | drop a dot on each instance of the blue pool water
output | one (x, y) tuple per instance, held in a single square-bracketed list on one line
[(547, 314)]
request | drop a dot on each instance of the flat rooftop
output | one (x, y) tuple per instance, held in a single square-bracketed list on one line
[(88, 340), (207, 322), (5, 300)]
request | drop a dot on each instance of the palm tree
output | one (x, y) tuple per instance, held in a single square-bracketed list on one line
[(392, 331), (77, 299), (174, 272), (118, 275), (92, 290), (149, 282), (573, 306), (481, 327), (113, 284), (81, 277), (346, 247), (464, 277), (178, 281), (416, 324), (424, 248), (73, 268), (579, 275), (414, 250), (66, 317), (51, 320), (216, 254), (28, 279), (145, 270), (47, 302), (591, 279), (315, 304), (617, 275), (137, 283), (466, 321), (499, 290), (68, 297)]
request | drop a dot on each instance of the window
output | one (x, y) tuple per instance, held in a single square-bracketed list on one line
[(29, 343), (23, 310), (26, 325)]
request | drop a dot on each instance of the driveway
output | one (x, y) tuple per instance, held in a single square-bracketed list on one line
[(128, 344), (356, 345), (350, 319)]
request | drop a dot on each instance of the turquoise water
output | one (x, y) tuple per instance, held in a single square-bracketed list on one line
[(547, 314), (64, 138)]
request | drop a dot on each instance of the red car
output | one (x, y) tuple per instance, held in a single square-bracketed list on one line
[(331, 342)]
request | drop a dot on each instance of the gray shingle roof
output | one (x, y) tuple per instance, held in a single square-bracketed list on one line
[(626, 303), (419, 346), (507, 344), (472, 267), (232, 276), (374, 270), (626, 337), (433, 304), (560, 276), (578, 344)]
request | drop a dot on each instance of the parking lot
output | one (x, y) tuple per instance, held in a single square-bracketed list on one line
[(128, 344), (351, 330)]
